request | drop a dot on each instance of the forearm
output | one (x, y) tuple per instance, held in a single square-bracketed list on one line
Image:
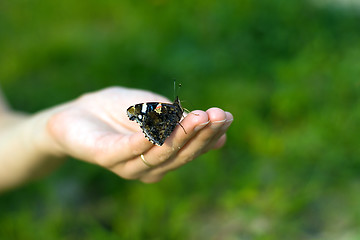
[(26, 150)]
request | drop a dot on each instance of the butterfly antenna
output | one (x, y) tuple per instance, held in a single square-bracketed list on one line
[(174, 89)]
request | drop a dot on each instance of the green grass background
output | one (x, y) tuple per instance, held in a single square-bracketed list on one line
[(287, 70)]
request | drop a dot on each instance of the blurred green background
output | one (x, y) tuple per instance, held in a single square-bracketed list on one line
[(287, 70)]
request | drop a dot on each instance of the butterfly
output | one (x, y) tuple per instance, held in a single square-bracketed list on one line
[(157, 120)]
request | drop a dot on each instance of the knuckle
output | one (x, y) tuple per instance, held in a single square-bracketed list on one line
[(139, 148), (136, 151), (166, 154), (188, 157)]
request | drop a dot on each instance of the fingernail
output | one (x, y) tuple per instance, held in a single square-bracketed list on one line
[(227, 124), (201, 126), (217, 124), (230, 120)]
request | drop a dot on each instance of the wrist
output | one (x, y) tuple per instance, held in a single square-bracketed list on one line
[(26, 150), (38, 133)]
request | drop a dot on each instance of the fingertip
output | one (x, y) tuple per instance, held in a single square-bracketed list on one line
[(229, 117), (198, 116), (216, 114)]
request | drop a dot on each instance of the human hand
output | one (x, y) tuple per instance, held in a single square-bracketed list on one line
[(95, 128)]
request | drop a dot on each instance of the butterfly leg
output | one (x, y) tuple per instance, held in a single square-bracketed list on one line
[(182, 128)]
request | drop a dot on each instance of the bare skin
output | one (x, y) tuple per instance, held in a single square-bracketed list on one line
[(95, 128)]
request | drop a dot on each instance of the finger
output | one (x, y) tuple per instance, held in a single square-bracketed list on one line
[(216, 117), (196, 145), (191, 124), (112, 149), (157, 155), (215, 139)]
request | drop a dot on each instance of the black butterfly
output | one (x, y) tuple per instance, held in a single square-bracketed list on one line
[(157, 120)]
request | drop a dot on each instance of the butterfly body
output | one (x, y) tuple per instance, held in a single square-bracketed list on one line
[(157, 120)]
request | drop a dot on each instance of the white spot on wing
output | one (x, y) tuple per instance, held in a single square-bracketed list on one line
[(144, 107)]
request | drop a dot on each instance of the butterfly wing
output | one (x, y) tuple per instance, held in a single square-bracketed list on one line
[(157, 120)]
